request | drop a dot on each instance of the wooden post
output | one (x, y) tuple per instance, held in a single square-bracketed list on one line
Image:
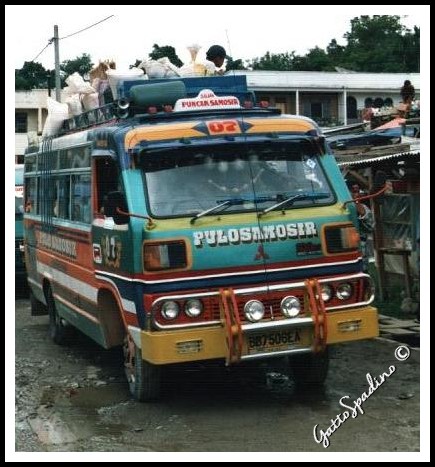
[(378, 241)]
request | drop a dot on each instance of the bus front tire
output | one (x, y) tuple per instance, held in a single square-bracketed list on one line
[(57, 330), (143, 378), (310, 369)]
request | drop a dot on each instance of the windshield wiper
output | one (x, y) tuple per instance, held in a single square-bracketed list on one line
[(231, 202), (291, 199)]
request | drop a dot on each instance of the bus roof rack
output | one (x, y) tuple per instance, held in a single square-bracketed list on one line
[(90, 118), (157, 98)]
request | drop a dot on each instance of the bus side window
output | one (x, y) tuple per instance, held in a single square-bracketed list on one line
[(30, 193), (81, 200), (107, 181), (64, 196)]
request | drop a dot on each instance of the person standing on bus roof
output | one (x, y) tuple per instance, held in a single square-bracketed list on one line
[(217, 55)]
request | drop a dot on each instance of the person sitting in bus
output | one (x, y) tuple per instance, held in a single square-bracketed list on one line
[(29, 205), (56, 208)]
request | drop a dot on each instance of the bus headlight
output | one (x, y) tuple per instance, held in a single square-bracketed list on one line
[(170, 310), (344, 291), (193, 308), (326, 291), (254, 310), (290, 307)]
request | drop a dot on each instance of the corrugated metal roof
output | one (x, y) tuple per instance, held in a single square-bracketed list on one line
[(359, 160), (328, 80)]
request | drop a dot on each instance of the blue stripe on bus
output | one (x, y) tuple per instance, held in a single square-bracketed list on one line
[(229, 281)]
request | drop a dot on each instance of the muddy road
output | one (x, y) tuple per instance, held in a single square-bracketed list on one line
[(76, 399)]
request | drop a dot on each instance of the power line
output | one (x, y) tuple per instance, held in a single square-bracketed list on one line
[(74, 33), (84, 29), (49, 42)]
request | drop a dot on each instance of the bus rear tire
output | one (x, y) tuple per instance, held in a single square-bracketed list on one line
[(144, 379), (37, 308), (57, 330), (310, 369)]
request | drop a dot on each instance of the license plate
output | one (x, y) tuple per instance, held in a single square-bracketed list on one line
[(273, 341)]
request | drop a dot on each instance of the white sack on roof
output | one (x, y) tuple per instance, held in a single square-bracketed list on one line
[(78, 85), (57, 113)]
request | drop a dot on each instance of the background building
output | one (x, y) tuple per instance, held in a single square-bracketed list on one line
[(30, 115), (329, 97)]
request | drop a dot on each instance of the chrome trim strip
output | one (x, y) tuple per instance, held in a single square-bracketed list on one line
[(282, 323), (350, 305), (185, 326), (179, 297), (275, 354), (36, 284)]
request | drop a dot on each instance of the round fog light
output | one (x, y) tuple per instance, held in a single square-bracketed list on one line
[(326, 292), (170, 310), (290, 307), (344, 291), (254, 310), (193, 308)]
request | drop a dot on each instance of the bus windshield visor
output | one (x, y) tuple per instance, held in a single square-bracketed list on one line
[(188, 181)]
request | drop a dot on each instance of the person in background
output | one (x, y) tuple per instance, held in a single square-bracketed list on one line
[(407, 92), (366, 224), (216, 54)]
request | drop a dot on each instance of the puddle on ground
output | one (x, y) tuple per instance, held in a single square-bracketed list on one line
[(101, 396), (72, 406)]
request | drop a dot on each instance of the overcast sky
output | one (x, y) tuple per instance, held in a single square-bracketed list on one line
[(246, 32)]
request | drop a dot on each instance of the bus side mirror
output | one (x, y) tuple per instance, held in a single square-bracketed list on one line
[(116, 200)]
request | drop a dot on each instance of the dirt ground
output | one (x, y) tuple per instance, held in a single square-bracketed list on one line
[(76, 399)]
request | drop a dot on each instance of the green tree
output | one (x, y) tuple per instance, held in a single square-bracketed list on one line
[(315, 60), (165, 51), (411, 50), (82, 65), (234, 64), (376, 44), (270, 61), (31, 76)]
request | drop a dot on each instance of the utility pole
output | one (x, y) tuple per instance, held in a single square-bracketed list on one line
[(56, 62)]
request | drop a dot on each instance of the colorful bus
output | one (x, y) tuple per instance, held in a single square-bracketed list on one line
[(20, 269), (187, 224)]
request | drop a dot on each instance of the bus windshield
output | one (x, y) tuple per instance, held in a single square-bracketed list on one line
[(192, 180)]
